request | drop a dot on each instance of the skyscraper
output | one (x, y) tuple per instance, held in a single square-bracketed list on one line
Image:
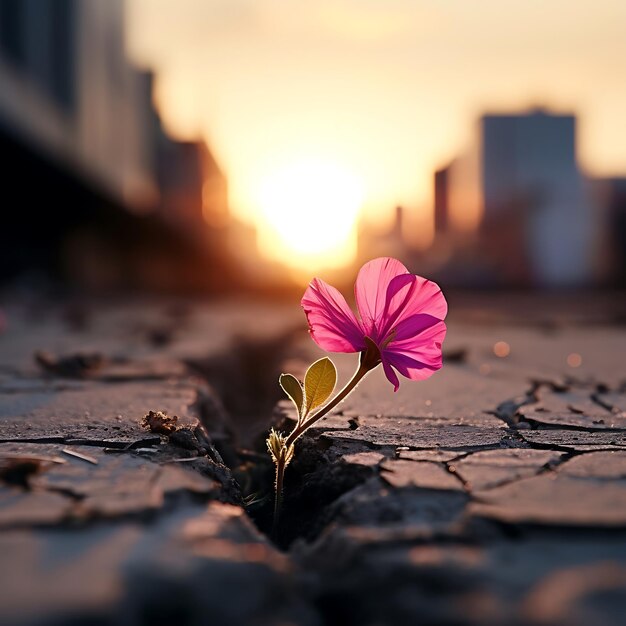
[(520, 192)]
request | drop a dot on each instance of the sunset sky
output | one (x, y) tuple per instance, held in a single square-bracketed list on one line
[(377, 93)]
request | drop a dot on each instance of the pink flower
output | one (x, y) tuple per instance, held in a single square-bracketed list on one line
[(400, 312)]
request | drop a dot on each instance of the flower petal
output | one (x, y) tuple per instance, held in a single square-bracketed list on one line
[(408, 295), (391, 375), (410, 368), (416, 353), (371, 291), (416, 330), (332, 324)]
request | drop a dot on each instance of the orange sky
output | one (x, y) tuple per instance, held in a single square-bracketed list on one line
[(388, 91)]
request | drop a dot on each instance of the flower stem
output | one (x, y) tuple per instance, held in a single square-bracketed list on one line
[(369, 359), (360, 373), (280, 474)]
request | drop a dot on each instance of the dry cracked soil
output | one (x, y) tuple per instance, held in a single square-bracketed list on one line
[(493, 493)]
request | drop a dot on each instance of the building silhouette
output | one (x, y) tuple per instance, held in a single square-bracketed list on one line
[(94, 184), (611, 198), (518, 199), (374, 241), (441, 212)]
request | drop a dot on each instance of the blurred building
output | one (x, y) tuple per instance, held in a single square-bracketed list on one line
[(68, 89), (94, 186), (611, 198), (442, 211), (517, 205), (374, 241)]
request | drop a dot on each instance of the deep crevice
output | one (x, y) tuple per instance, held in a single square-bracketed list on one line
[(315, 479), (245, 383), (245, 379)]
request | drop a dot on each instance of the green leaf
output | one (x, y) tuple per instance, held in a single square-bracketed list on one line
[(319, 382), (292, 387)]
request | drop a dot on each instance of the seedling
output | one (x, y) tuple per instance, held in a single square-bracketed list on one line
[(400, 326)]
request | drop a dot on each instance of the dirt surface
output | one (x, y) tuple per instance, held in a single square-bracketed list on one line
[(493, 493)]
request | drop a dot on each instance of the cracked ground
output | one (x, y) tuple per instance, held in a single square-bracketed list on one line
[(493, 493)]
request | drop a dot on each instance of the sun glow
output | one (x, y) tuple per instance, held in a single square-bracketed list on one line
[(309, 210)]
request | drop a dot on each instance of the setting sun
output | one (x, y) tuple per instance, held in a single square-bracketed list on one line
[(309, 211)]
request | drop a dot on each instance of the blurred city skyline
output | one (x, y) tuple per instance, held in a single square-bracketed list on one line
[(379, 95), (134, 192)]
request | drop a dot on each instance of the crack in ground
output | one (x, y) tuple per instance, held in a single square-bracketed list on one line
[(235, 418), (595, 397), (113, 445), (538, 425)]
